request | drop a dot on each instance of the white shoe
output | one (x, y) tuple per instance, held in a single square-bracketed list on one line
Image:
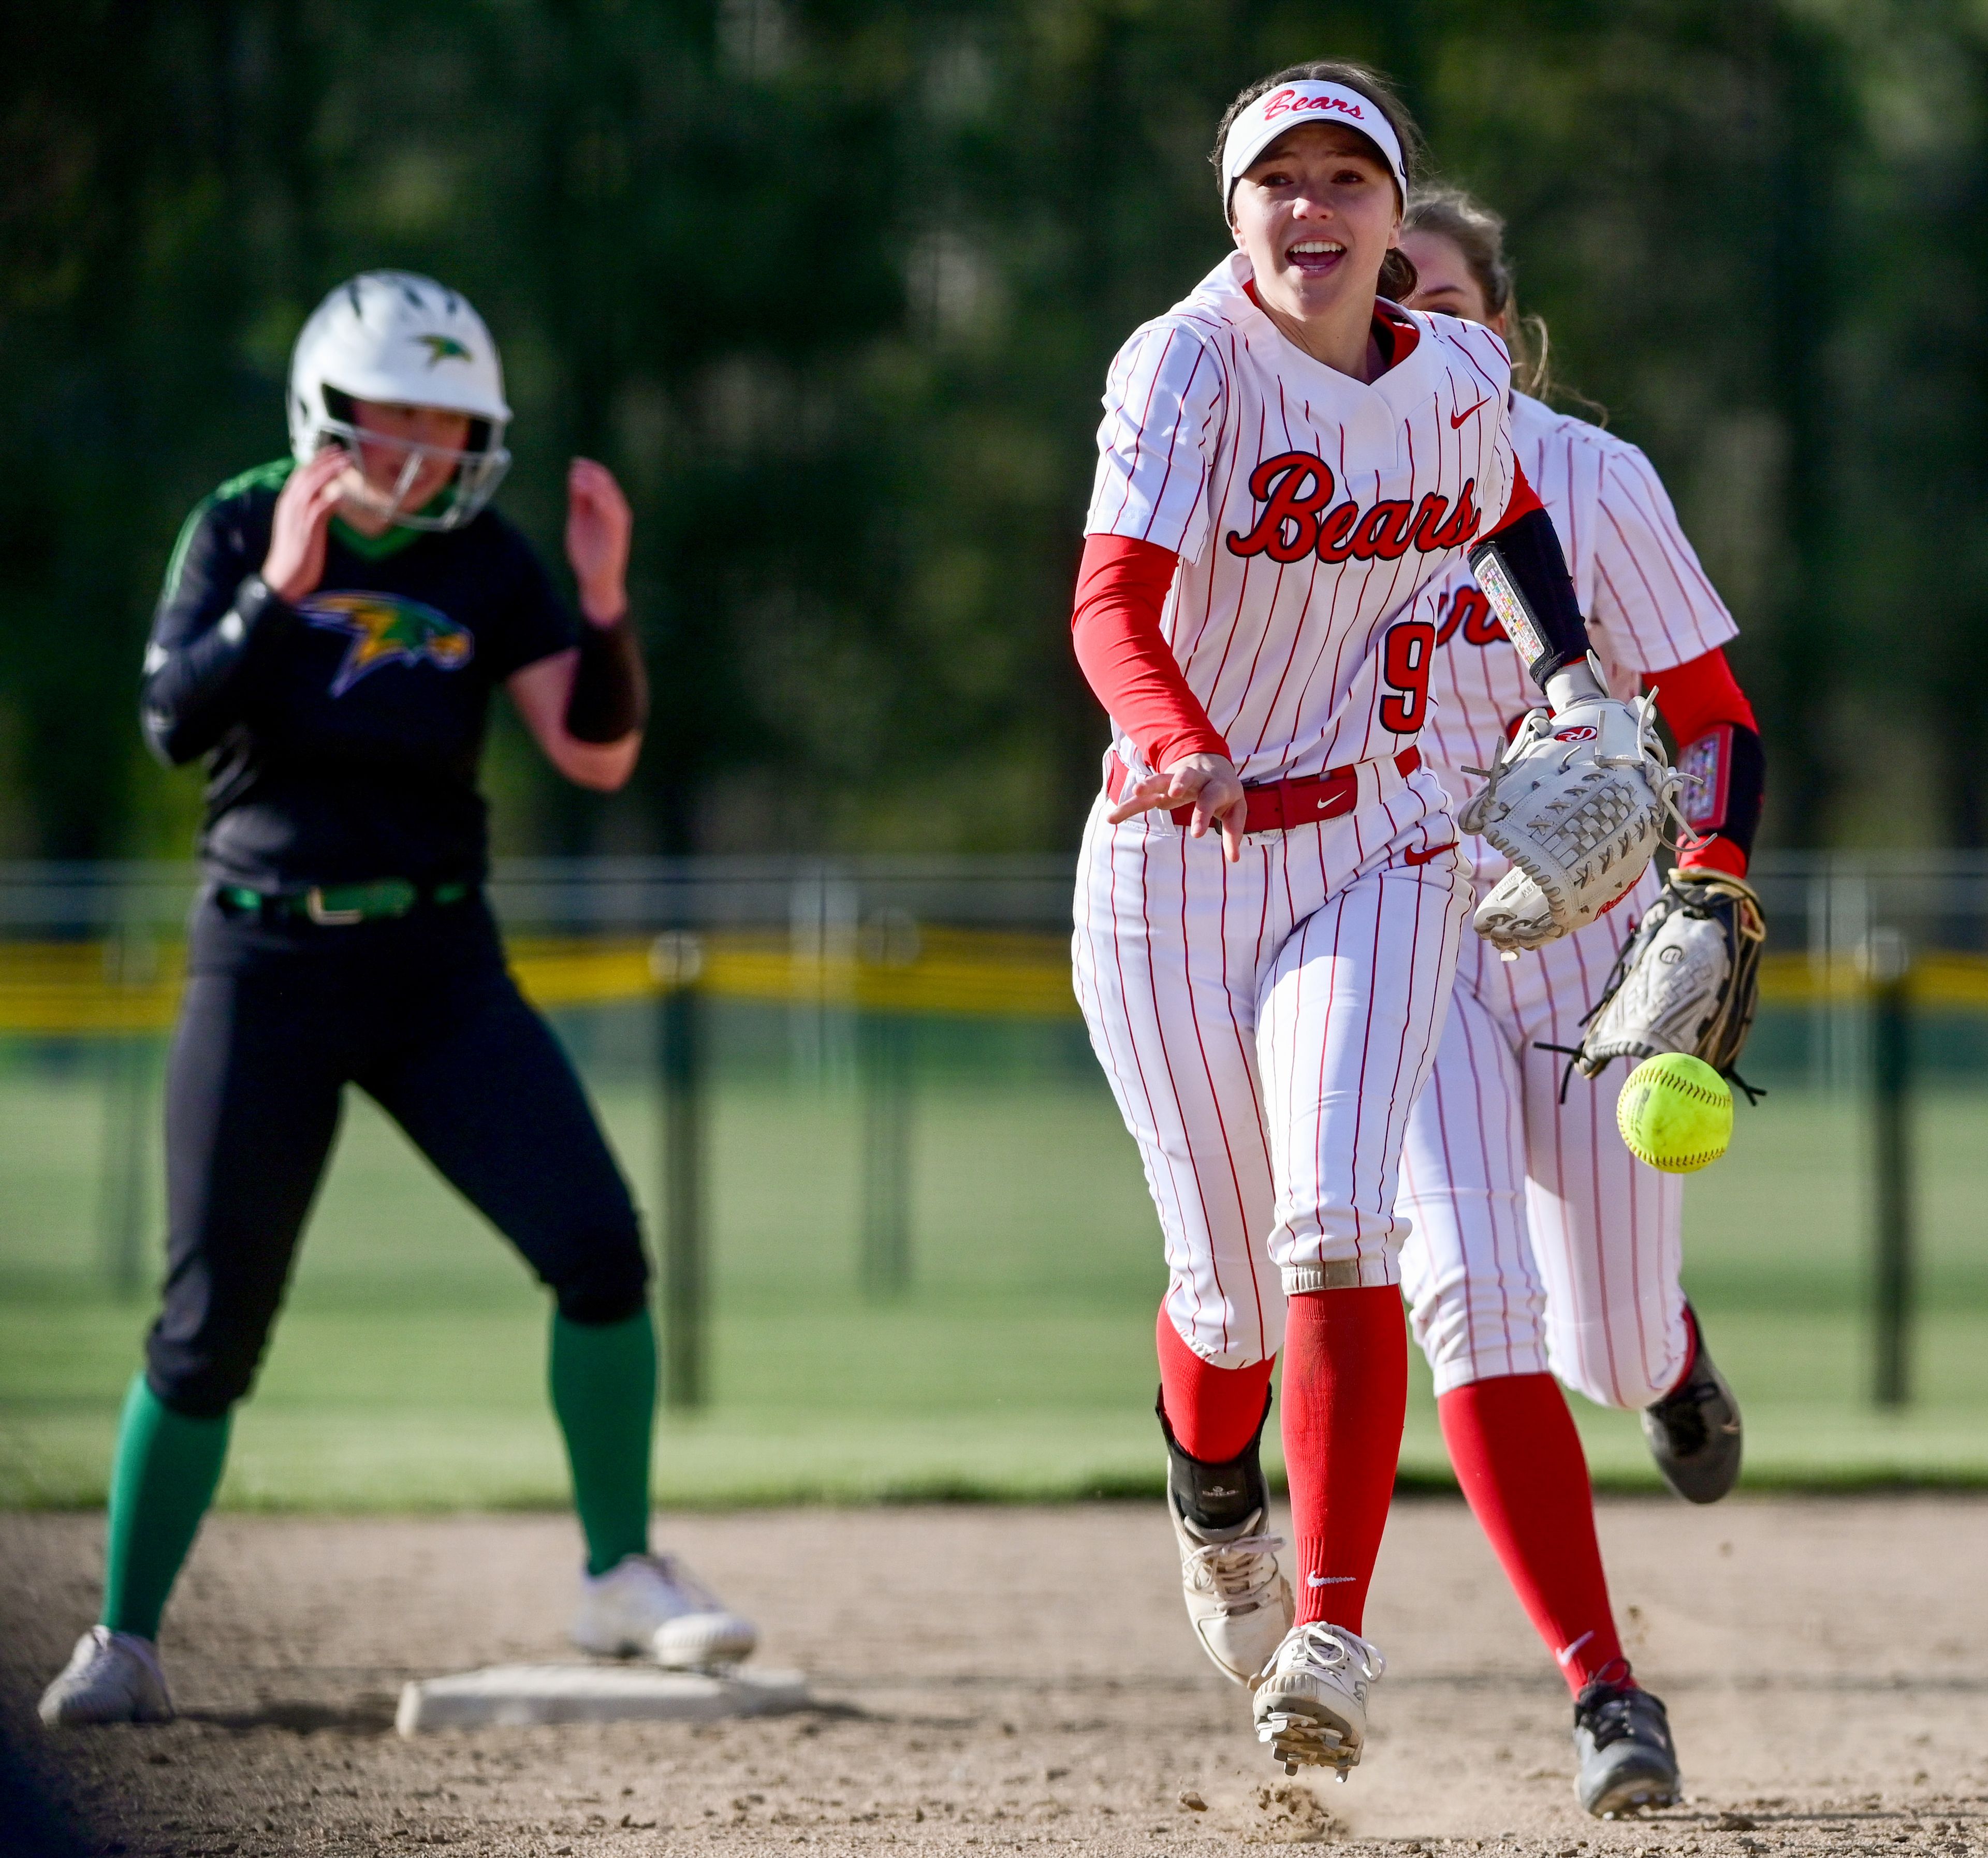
[(111, 1677), (1311, 1698), (1238, 1601), (654, 1606)]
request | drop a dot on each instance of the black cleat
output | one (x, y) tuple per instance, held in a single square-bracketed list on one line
[(1694, 1431), (1623, 1738), (1238, 1600)]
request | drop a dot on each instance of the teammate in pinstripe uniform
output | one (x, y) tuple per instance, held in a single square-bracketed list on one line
[(1269, 902), (1538, 1246)]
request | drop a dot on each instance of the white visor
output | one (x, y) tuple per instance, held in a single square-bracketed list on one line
[(1287, 106)]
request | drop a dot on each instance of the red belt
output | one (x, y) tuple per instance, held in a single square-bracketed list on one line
[(1275, 806)]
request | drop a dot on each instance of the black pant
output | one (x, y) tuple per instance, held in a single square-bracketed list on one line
[(422, 1015)]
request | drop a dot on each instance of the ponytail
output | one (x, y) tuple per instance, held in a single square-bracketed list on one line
[(1398, 276)]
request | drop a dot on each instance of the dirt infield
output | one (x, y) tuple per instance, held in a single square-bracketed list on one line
[(1002, 1678)]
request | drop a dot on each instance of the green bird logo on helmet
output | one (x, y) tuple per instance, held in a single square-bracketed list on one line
[(442, 348), (384, 335)]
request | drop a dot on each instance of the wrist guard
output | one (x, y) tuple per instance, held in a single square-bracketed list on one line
[(1723, 774), (611, 684)]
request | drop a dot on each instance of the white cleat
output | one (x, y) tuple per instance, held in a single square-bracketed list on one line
[(111, 1677), (1311, 1697), (1238, 1601), (653, 1607)]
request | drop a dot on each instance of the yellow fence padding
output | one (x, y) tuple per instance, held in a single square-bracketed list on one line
[(66, 989), (71, 989)]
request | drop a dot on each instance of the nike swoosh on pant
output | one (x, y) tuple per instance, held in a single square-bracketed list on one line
[(1563, 1658), (1328, 1580)]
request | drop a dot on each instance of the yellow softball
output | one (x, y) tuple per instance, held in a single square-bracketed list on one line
[(1675, 1113)]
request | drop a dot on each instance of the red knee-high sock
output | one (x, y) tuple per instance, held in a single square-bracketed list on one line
[(1214, 1412), (1519, 1462), (1346, 1393)]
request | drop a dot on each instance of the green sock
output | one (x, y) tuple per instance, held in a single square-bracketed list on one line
[(603, 1385), (162, 1480)]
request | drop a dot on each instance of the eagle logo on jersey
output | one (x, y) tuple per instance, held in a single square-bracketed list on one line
[(388, 629), (443, 348), (1295, 487)]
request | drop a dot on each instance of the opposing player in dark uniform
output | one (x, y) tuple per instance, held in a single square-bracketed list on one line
[(331, 630)]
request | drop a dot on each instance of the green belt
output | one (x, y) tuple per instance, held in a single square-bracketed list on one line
[(339, 905)]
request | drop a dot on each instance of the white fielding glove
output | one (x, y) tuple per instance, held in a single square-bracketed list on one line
[(1576, 803)]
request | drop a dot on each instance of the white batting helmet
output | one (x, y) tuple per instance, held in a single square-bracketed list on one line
[(394, 336)]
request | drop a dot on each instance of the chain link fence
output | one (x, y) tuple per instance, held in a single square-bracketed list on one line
[(862, 1084)]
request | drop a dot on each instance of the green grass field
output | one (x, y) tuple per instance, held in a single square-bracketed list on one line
[(406, 1372)]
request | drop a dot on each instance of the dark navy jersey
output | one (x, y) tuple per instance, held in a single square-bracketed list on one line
[(341, 736)]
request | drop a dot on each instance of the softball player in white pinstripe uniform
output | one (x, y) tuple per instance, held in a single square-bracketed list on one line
[(1289, 465), (1572, 1262), (1538, 1246)]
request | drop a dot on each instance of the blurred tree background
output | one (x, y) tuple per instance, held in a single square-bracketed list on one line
[(833, 285)]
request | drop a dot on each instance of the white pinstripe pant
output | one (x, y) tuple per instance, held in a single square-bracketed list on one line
[(1539, 1244), (1266, 1027)]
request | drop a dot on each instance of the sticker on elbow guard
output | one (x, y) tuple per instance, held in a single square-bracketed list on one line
[(1509, 605), (1706, 768)]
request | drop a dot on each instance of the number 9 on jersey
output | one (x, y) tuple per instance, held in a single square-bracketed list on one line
[(1407, 656)]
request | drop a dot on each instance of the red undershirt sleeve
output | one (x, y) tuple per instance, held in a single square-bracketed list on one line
[(1694, 696), (1121, 589), (1523, 501)]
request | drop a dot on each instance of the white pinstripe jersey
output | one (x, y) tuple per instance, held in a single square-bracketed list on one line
[(1648, 603), (1315, 517)]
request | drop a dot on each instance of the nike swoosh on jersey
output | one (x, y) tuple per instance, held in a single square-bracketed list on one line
[(1457, 419), (1435, 851)]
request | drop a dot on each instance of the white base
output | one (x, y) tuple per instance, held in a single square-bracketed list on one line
[(512, 1694)]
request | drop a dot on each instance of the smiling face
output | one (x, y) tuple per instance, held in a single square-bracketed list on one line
[(1315, 214), (1445, 282)]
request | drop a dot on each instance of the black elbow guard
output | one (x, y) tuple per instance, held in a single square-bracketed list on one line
[(1725, 779), (1523, 574), (610, 686)]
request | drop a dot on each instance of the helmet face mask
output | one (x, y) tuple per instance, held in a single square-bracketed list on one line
[(478, 470), (392, 337)]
